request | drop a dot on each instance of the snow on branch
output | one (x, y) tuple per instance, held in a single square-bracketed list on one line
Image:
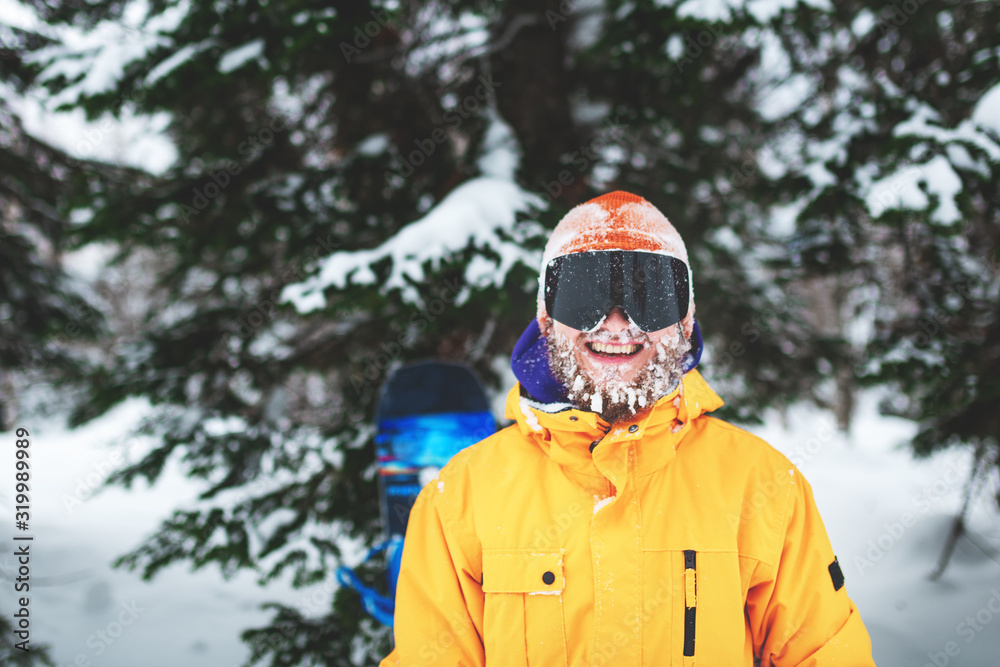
[(94, 62), (968, 131), (482, 212), (474, 212), (905, 187)]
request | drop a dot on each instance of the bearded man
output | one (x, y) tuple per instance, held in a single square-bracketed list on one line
[(616, 523)]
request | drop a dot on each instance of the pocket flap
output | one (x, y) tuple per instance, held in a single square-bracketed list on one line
[(522, 571)]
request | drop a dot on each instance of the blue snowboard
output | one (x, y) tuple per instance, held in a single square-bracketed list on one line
[(427, 412)]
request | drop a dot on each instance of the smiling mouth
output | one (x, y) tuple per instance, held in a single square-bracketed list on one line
[(614, 351)]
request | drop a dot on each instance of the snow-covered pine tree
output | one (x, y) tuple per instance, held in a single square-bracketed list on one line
[(362, 184), (895, 124), (41, 315)]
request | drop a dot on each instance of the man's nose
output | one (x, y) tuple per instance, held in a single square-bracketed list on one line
[(616, 321)]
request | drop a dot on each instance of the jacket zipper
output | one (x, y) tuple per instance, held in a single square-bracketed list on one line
[(690, 601)]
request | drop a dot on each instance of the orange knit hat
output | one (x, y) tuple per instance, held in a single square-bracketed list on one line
[(614, 221)]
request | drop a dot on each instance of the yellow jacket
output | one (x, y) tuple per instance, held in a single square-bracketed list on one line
[(677, 539)]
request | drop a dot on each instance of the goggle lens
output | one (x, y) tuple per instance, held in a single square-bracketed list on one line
[(652, 289)]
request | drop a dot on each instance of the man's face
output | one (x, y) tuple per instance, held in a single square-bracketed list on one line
[(616, 370)]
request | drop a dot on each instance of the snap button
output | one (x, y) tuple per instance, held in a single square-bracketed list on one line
[(548, 578), (633, 428), (573, 418)]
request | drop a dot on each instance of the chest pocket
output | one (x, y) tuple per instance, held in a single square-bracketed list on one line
[(523, 618), (694, 607)]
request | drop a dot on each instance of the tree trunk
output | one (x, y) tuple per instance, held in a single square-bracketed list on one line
[(533, 93), (958, 526)]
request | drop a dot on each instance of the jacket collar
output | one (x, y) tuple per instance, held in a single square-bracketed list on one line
[(566, 433)]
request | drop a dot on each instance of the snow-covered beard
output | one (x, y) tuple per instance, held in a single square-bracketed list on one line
[(605, 392)]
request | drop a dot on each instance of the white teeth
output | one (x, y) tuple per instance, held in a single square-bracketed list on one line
[(605, 348)]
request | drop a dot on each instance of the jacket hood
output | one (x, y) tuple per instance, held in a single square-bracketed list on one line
[(587, 444)]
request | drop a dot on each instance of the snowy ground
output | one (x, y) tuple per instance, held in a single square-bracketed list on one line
[(887, 516), (180, 618)]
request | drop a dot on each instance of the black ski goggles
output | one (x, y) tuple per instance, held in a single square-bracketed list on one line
[(582, 288)]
